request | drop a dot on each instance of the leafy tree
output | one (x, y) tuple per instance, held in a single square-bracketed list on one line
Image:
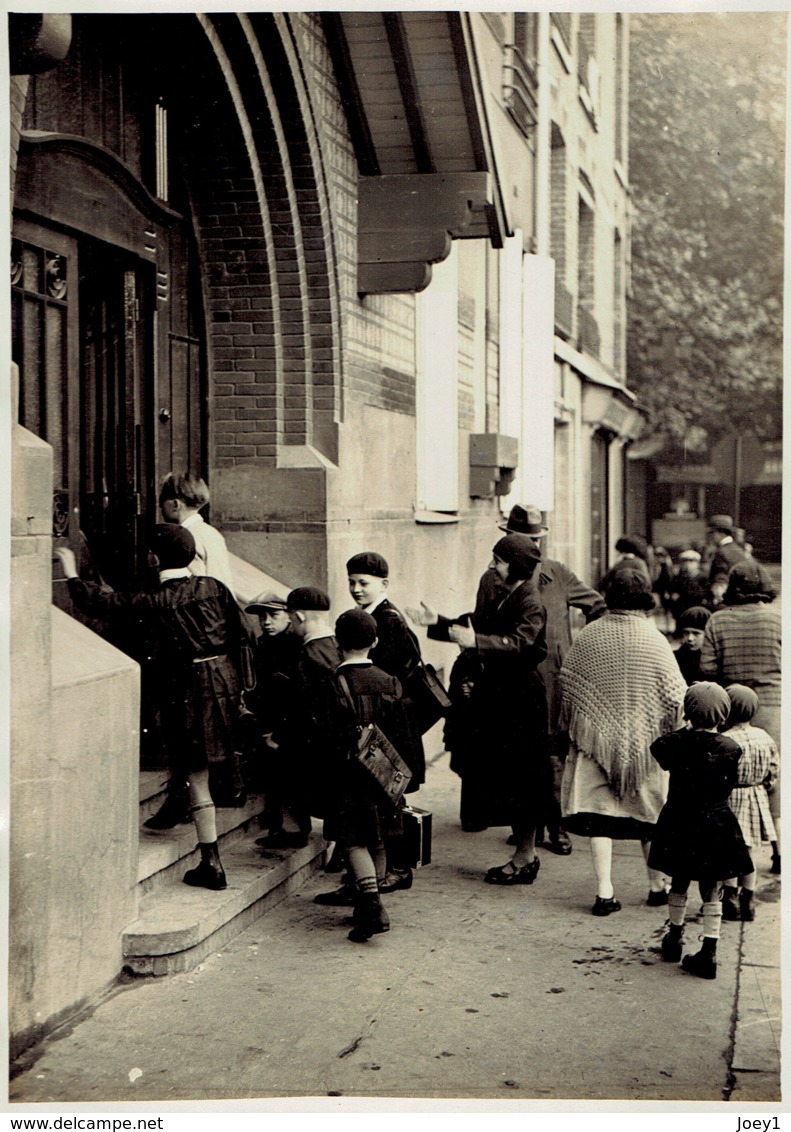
[(706, 164)]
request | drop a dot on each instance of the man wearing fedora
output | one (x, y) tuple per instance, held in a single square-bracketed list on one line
[(727, 553), (559, 590)]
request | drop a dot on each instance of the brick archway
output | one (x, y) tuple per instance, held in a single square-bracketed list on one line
[(269, 282)]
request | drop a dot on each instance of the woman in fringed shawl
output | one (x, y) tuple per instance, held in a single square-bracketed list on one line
[(621, 689)]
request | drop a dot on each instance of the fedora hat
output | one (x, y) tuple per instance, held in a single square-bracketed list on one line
[(525, 519), (721, 523)]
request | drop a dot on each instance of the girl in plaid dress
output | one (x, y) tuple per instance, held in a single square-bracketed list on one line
[(749, 801)]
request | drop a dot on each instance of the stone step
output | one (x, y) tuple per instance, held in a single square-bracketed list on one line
[(179, 926), (160, 852)]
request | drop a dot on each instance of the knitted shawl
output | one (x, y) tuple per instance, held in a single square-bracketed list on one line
[(621, 689)]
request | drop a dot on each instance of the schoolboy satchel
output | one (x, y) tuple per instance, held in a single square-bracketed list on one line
[(428, 694), (376, 754), (423, 688)]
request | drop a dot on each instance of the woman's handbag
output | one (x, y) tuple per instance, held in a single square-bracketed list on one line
[(427, 692), (377, 755)]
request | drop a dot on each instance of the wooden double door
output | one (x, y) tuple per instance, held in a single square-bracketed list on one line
[(110, 374)]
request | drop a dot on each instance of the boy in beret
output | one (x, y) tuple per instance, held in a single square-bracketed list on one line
[(359, 813), (397, 652), (198, 627)]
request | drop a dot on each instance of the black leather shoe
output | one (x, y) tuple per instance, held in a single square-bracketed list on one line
[(510, 874), (671, 946), (173, 811), (656, 899), (605, 906), (702, 963), (206, 876), (370, 918), (395, 879), (731, 909), (746, 905)]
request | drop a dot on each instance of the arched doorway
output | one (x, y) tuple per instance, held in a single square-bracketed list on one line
[(108, 327)]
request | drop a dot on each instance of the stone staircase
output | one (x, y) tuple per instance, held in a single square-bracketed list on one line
[(178, 926)]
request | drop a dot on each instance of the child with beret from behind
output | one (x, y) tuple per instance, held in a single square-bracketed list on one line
[(355, 694), (697, 836), (758, 766)]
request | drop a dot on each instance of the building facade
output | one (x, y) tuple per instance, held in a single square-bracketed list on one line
[(364, 272)]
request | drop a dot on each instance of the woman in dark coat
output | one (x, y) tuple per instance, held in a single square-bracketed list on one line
[(198, 627), (505, 642)]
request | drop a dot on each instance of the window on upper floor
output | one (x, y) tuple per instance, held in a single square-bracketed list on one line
[(517, 35), (437, 365), (588, 71)]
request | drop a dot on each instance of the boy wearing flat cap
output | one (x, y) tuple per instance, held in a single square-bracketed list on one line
[(276, 654)]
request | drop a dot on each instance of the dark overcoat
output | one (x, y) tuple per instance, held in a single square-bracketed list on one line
[(198, 627), (726, 555), (697, 835), (506, 711), (559, 590), (356, 810)]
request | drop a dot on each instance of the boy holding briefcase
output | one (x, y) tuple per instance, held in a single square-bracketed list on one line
[(355, 695)]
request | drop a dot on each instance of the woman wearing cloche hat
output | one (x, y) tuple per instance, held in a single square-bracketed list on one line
[(507, 735)]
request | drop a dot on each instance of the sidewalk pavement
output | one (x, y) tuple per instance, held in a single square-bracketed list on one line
[(477, 992)]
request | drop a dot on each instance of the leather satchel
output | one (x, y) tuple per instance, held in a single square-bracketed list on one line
[(428, 694), (377, 755)]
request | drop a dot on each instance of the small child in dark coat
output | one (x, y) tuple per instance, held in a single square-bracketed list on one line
[(697, 835), (691, 624), (355, 694)]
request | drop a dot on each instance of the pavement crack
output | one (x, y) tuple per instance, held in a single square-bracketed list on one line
[(351, 1048), (356, 1043)]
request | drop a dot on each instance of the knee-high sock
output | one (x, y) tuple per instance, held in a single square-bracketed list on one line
[(205, 818), (202, 807), (676, 907), (362, 868), (712, 918)]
